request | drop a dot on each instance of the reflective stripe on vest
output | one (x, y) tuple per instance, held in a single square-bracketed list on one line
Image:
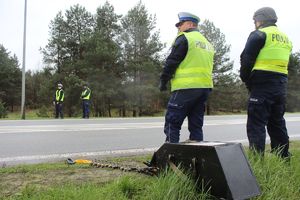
[(274, 56), (195, 71), (57, 95), (84, 93)]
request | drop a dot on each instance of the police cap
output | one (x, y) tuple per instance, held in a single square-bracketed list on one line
[(185, 16)]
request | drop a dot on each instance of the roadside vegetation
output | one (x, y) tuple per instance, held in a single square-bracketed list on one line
[(121, 58), (278, 179), (37, 114)]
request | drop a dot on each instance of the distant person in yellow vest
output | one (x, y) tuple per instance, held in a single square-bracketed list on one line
[(189, 68), (264, 69), (85, 96), (58, 101)]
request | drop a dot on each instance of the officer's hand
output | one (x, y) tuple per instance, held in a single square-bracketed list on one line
[(54, 103), (248, 86), (162, 85)]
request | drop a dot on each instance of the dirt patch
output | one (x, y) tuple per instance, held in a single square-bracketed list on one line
[(13, 183)]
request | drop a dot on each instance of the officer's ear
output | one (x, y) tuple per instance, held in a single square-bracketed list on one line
[(194, 25)]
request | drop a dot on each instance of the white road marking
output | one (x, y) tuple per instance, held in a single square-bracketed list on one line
[(73, 155), (102, 153), (114, 126), (245, 141)]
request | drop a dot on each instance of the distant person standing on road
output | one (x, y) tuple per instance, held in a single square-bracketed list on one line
[(58, 101), (189, 68), (264, 69), (85, 96)]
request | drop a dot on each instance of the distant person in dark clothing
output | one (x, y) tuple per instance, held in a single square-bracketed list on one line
[(85, 96), (58, 101)]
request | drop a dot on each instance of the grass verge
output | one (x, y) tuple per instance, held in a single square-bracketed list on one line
[(277, 180)]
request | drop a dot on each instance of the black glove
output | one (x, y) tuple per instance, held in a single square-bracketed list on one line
[(248, 86), (162, 85)]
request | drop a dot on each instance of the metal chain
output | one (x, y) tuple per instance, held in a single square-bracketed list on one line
[(151, 171)]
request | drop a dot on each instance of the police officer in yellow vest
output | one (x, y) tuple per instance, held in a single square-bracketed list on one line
[(189, 68), (85, 96), (264, 63), (58, 101)]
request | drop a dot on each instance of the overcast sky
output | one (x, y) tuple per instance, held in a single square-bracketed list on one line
[(233, 17)]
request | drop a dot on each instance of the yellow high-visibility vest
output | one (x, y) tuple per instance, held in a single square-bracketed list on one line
[(195, 71), (87, 97), (58, 95), (274, 56)]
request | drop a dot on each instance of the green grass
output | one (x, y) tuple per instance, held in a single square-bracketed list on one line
[(32, 114), (29, 114), (277, 179), (125, 187)]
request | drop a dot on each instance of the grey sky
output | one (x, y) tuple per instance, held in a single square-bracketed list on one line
[(233, 17)]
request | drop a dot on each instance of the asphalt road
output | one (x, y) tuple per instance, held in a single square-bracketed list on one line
[(33, 141)]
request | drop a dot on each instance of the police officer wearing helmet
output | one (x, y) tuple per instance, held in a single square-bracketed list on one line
[(189, 69), (58, 101), (264, 63)]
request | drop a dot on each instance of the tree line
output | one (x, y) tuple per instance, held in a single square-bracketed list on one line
[(120, 57)]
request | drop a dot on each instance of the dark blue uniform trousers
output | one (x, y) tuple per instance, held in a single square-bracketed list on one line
[(85, 109), (59, 110), (185, 103), (266, 108)]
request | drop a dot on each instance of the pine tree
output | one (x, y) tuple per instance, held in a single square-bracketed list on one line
[(141, 47), (55, 51), (223, 77), (293, 96), (10, 79), (103, 59)]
